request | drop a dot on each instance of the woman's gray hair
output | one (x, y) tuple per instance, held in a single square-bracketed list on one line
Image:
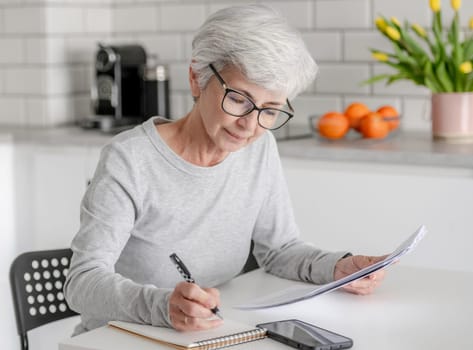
[(258, 41)]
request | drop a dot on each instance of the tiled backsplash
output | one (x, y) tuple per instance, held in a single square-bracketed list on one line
[(47, 48)]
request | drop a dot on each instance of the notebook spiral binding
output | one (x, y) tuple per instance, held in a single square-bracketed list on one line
[(232, 339)]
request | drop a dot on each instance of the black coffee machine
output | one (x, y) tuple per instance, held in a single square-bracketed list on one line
[(123, 94)]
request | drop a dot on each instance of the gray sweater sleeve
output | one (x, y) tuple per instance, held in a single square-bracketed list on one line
[(108, 212), (278, 248)]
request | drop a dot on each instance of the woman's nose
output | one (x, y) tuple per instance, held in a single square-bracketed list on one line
[(249, 121)]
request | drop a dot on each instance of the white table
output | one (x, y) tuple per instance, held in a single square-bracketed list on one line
[(413, 309)]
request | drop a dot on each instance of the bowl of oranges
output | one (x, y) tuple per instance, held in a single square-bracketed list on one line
[(367, 123)]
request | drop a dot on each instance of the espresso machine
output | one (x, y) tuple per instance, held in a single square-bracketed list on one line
[(127, 89)]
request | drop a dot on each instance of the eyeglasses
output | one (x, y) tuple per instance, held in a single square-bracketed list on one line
[(237, 104)]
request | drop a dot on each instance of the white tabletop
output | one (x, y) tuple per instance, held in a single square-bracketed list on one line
[(413, 309)]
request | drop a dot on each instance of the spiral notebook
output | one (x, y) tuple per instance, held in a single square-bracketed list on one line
[(229, 333)]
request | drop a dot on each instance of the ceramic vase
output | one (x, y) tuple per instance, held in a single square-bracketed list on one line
[(452, 117)]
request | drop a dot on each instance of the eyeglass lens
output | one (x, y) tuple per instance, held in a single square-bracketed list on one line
[(240, 105)]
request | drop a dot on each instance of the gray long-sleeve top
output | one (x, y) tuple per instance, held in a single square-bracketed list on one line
[(145, 202)]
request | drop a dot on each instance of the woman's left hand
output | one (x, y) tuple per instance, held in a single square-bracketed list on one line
[(351, 264)]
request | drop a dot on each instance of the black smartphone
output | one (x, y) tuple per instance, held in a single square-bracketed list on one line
[(305, 336)]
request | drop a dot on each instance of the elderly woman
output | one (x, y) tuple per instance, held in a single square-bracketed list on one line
[(203, 186)]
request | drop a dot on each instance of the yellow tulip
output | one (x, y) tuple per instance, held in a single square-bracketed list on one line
[(435, 5), (379, 56), (456, 4), (419, 30), (395, 21), (470, 24), (380, 23), (393, 33), (466, 67)]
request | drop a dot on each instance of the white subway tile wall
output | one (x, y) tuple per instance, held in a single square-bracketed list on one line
[(12, 50), (414, 11), (23, 20), (357, 43), (13, 110), (46, 57), (325, 46), (181, 17), (98, 20), (298, 13), (24, 81), (420, 108), (168, 47), (342, 14), (135, 18), (47, 49), (342, 78), (314, 105), (64, 20)]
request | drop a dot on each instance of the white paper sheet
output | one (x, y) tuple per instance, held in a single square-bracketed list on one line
[(298, 293)]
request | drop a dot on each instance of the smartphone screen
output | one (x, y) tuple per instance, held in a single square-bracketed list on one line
[(304, 335)]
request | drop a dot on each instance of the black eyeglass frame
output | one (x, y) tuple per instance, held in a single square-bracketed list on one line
[(227, 89)]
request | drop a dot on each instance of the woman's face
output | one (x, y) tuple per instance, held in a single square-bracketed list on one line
[(226, 132)]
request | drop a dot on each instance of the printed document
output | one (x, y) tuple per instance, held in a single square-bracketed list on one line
[(298, 293)]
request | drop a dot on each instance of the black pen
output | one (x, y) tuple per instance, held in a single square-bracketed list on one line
[(185, 273)]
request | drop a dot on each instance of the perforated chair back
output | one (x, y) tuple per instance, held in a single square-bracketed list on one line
[(37, 281)]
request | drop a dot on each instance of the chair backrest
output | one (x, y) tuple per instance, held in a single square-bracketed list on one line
[(251, 263), (37, 281)]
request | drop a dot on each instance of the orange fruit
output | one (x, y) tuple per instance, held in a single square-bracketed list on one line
[(374, 126), (333, 125), (390, 115), (355, 112)]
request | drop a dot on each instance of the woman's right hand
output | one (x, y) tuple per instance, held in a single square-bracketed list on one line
[(190, 307)]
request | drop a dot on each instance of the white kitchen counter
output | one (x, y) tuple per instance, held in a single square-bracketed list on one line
[(59, 136), (400, 148), (403, 148)]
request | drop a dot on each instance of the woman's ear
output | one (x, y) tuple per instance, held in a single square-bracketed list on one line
[(194, 85)]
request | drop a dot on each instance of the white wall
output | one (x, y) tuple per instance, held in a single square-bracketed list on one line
[(46, 51)]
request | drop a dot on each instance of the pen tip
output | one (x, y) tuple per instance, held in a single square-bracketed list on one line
[(217, 313)]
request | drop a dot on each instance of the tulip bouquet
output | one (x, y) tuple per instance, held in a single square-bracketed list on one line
[(443, 63)]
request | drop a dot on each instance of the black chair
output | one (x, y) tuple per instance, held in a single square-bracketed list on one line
[(251, 263), (37, 281)]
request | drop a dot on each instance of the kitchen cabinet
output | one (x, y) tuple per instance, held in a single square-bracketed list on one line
[(41, 187), (7, 247), (51, 183), (369, 208)]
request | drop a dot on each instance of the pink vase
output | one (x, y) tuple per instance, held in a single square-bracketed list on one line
[(452, 116)]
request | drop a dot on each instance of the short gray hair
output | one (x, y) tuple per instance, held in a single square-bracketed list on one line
[(257, 40)]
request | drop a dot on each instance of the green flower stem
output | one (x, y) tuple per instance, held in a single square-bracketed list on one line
[(443, 77), (437, 29), (468, 49), (430, 80), (469, 82)]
